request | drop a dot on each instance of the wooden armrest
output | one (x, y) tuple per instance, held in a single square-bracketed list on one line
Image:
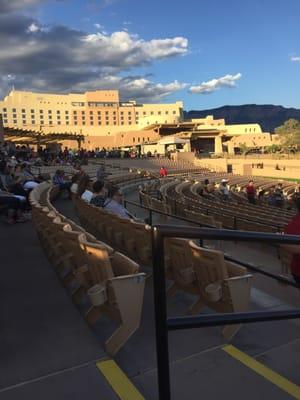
[(235, 269), (239, 278)]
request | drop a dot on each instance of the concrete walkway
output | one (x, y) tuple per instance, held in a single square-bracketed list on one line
[(47, 350)]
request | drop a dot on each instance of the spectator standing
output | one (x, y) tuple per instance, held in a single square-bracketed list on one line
[(250, 190), (163, 172), (224, 190), (293, 228), (278, 196)]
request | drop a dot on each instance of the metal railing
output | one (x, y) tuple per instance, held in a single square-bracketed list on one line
[(163, 324)]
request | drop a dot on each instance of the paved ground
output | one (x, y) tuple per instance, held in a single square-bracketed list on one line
[(46, 348)]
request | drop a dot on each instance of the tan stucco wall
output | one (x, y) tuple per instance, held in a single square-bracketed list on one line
[(288, 168)]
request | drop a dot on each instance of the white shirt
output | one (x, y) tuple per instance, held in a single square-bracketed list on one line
[(74, 187), (30, 185), (87, 196)]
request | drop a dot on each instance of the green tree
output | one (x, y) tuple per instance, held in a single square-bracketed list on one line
[(289, 133)]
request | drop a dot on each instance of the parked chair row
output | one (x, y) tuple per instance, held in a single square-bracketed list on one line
[(89, 267)]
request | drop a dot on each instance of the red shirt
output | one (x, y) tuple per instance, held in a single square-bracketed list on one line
[(293, 228), (163, 172), (250, 189)]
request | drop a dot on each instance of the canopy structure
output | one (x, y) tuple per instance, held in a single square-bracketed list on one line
[(23, 136), (173, 140)]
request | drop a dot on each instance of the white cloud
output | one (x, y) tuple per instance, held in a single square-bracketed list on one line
[(32, 28), (215, 84), (295, 58), (128, 49)]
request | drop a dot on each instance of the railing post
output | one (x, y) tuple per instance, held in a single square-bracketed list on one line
[(150, 217), (160, 307)]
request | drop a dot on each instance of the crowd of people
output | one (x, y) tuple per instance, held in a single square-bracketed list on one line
[(16, 182), (99, 193)]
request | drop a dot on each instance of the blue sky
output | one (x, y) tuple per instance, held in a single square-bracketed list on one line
[(235, 52)]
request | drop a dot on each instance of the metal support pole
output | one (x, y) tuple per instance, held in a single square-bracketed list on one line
[(150, 217), (160, 307)]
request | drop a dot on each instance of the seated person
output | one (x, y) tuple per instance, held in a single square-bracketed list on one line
[(114, 203), (99, 194), (59, 180), (84, 189), (15, 206)]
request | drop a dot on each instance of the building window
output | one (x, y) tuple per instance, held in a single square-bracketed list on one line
[(75, 122), (67, 122), (137, 114), (83, 122), (67, 117), (82, 112), (66, 112), (129, 112), (41, 111), (144, 112), (24, 121), (167, 112), (107, 123), (5, 115), (159, 113), (58, 122), (174, 112), (91, 112), (74, 112), (4, 109), (138, 139), (133, 139), (99, 112), (92, 122), (50, 122), (42, 121), (49, 112), (148, 139), (23, 110), (14, 115), (151, 113), (122, 112), (122, 122), (106, 112), (5, 121), (14, 110), (129, 123), (33, 122)]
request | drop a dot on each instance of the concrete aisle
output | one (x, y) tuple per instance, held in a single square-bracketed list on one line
[(46, 348)]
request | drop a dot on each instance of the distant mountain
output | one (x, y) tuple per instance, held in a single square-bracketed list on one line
[(268, 116)]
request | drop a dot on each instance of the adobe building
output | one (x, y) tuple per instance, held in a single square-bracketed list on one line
[(107, 122), (98, 115)]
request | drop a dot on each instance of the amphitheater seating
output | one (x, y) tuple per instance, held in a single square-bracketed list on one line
[(83, 262), (223, 286)]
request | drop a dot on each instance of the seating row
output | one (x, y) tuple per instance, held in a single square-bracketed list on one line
[(220, 285), (90, 269)]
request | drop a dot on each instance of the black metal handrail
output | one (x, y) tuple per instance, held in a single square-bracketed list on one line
[(163, 324), (251, 267)]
